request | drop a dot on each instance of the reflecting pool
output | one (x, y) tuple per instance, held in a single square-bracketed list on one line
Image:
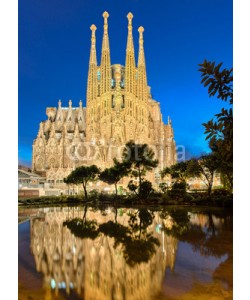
[(123, 253)]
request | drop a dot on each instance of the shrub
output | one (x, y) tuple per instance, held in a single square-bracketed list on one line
[(179, 186), (221, 192), (145, 189)]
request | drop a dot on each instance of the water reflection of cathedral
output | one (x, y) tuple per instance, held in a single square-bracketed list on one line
[(94, 268)]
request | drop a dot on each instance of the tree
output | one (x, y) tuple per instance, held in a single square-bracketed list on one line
[(114, 174), (70, 179), (220, 132), (163, 187), (140, 159), (83, 228), (209, 164), (182, 171), (84, 175)]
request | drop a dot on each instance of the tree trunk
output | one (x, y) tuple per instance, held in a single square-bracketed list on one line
[(139, 178), (210, 185), (211, 223), (140, 230), (116, 189), (139, 173), (85, 190), (209, 190), (85, 214)]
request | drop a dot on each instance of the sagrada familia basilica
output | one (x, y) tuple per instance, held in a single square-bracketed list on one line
[(119, 108)]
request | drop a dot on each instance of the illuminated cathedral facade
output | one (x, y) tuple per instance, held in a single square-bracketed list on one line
[(119, 108)]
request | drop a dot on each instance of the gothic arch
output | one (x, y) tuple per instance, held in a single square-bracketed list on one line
[(39, 163)]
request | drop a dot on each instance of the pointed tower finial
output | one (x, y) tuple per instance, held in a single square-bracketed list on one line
[(80, 103), (92, 76), (70, 103), (130, 44), (105, 43), (59, 115), (105, 16), (93, 29), (130, 84), (142, 86), (130, 17), (105, 26), (141, 58), (141, 29), (92, 58), (105, 59)]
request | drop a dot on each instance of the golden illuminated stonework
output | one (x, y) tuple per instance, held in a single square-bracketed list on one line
[(119, 108)]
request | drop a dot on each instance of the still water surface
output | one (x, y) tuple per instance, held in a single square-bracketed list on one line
[(140, 254)]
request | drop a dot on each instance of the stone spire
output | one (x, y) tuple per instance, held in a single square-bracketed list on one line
[(59, 114), (92, 74), (142, 86), (41, 131), (80, 117), (130, 59), (105, 58), (70, 112), (70, 120)]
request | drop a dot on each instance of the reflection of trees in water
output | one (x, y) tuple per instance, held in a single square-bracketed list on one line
[(205, 235), (210, 236), (138, 245), (179, 221), (83, 228)]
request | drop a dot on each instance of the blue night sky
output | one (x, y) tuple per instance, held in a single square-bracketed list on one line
[(53, 55)]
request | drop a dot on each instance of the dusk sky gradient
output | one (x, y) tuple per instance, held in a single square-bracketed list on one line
[(54, 46)]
